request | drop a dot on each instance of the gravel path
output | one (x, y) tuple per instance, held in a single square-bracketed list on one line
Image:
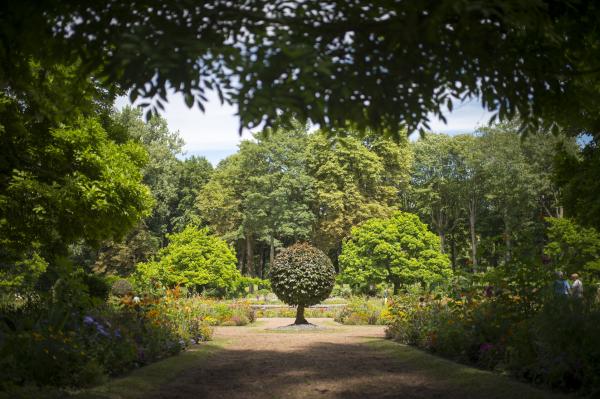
[(336, 362)]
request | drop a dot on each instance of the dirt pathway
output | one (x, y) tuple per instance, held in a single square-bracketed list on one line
[(339, 362)]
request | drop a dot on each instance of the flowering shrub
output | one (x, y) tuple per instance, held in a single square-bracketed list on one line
[(362, 310), (554, 341), (51, 343)]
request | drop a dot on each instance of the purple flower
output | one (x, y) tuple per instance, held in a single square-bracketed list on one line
[(88, 320), (117, 333), (101, 330)]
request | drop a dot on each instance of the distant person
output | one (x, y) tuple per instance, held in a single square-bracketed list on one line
[(577, 286), (561, 285)]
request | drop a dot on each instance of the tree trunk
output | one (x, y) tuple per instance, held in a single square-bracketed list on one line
[(442, 235), (250, 260), (396, 287), (300, 315), (472, 220), (241, 258), (249, 256), (271, 251), (453, 254), (507, 241)]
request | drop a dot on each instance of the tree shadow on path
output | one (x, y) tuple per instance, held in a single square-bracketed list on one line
[(375, 369)]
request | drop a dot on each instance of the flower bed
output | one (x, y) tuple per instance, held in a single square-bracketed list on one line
[(552, 341), (60, 345)]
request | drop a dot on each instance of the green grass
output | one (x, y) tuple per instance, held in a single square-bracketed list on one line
[(134, 385), (469, 381)]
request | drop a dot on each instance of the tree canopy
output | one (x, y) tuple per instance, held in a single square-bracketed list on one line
[(194, 258), (399, 250), (375, 64), (302, 275)]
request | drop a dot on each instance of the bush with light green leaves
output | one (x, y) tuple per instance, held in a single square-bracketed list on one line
[(399, 250), (195, 259)]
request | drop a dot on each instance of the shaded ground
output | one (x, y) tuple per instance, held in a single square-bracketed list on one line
[(340, 362)]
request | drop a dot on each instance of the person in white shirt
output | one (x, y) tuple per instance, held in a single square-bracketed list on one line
[(577, 286)]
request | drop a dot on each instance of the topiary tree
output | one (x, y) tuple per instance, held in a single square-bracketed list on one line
[(398, 250), (302, 275)]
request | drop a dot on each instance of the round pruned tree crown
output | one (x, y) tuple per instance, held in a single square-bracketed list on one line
[(302, 275)]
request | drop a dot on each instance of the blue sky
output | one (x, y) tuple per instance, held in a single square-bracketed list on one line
[(214, 134)]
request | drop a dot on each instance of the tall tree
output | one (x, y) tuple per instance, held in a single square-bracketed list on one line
[(354, 183), (262, 194), (193, 173), (435, 181), (161, 172)]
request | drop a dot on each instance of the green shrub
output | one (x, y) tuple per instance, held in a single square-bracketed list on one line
[(55, 343), (399, 250), (97, 286), (121, 288), (194, 258), (302, 275), (288, 312), (362, 310), (552, 340)]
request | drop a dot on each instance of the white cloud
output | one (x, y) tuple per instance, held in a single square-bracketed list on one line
[(214, 130), (466, 117)]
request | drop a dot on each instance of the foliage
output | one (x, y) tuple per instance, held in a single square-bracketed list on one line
[(121, 288), (119, 257), (51, 344), (288, 185), (573, 248), (399, 250), (22, 275), (523, 329), (173, 183), (76, 184), (356, 178), (577, 174), (261, 197), (423, 55), (486, 195), (245, 285), (302, 275), (362, 310), (289, 312), (194, 258)]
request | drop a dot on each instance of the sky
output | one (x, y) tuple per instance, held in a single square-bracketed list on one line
[(214, 134)]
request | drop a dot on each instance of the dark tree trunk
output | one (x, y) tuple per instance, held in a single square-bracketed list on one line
[(396, 287), (472, 220), (453, 254), (271, 251), (300, 315), (250, 260), (241, 256), (507, 242), (249, 256)]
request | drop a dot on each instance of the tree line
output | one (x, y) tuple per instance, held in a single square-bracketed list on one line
[(486, 195)]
